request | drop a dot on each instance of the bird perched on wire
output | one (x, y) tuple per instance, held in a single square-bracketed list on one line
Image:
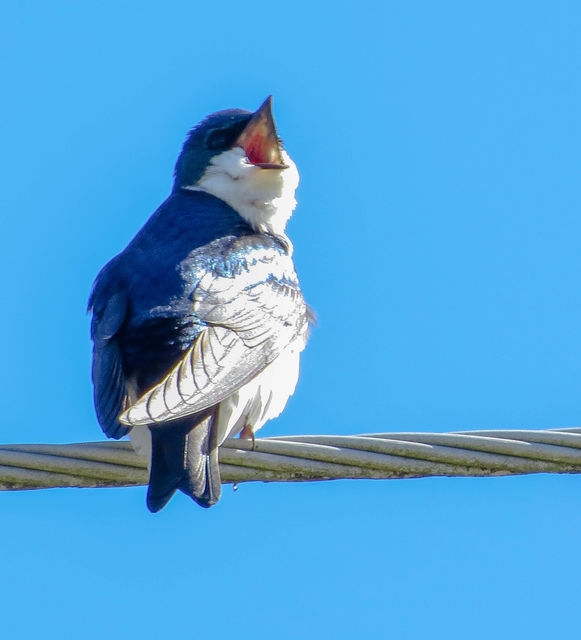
[(199, 323)]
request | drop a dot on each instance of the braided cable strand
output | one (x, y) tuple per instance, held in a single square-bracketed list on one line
[(307, 458)]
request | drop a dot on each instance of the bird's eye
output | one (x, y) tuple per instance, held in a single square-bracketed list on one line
[(219, 139)]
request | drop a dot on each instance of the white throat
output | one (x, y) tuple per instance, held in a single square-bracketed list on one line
[(265, 198)]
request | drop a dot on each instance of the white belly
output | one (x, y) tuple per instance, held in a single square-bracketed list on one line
[(260, 400)]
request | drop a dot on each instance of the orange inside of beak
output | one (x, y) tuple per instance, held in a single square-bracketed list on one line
[(260, 140)]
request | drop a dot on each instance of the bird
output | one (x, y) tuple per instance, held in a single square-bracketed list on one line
[(199, 323)]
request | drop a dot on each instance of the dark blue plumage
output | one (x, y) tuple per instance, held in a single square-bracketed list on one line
[(148, 288), (191, 315), (216, 133)]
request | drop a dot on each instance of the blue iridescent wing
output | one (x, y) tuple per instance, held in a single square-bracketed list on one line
[(253, 309), (110, 392)]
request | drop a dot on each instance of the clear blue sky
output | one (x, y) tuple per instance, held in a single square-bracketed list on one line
[(437, 236)]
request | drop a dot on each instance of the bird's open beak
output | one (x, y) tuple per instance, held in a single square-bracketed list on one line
[(260, 140)]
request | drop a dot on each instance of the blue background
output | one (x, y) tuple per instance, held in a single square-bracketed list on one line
[(437, 237)]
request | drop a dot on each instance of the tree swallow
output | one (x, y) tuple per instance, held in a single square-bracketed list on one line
[(199, 323)]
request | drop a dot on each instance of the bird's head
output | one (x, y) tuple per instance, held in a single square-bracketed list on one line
[(238, 157)]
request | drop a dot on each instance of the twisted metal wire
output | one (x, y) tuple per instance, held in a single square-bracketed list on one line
[(307, 458)]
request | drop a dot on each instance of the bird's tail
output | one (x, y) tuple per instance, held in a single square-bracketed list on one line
[(186, 459)]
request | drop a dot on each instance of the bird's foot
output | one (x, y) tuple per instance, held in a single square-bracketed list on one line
[(248, 434)]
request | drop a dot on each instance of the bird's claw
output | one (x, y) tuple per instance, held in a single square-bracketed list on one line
[(248, 434)]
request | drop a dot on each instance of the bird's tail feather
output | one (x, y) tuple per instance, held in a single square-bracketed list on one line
[(186, 459), (202, 480)]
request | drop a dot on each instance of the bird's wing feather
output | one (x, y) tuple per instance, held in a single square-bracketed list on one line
[(110, 391), (251, 316)]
